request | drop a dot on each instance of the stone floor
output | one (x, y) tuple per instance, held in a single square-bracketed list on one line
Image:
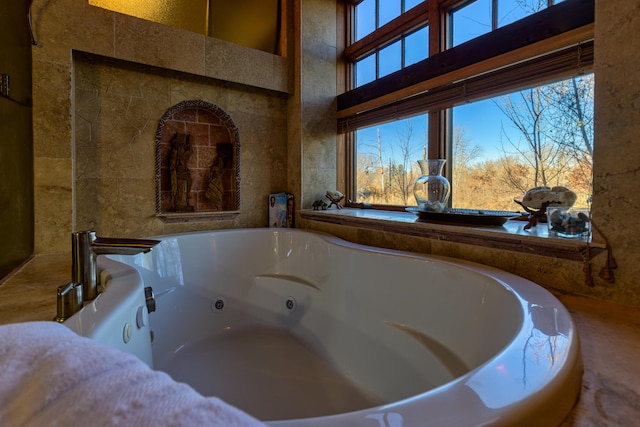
[(610, 343), (609, 333)]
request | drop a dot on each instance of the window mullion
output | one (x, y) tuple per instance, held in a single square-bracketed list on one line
[(494, 15), (438, 41)]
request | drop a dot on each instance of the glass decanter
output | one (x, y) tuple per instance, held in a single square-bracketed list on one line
[(431, 189)]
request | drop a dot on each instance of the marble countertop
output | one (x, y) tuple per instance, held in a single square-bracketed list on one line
[(609, 335)]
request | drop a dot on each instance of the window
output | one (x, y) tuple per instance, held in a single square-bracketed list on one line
[(502, 89), (386, 172), (471, 20), (402, 45), (505, 145), (370, 15), (475, 18), (403, 52)]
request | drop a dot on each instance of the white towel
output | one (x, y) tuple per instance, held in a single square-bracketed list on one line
[(49, 376)]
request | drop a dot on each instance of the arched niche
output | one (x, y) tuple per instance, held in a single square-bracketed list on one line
[(197, 163)]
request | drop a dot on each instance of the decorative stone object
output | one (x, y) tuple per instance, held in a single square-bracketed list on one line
[(181, 180), (197, 160), (536, 197), (334, 198)]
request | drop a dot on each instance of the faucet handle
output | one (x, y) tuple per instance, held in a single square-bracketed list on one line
[(69, 301), (150, 299)]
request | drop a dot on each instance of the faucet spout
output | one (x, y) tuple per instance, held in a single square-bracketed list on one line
[(114, 246), (85, 248)]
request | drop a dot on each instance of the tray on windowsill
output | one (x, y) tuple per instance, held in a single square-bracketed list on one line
[(466, 216)]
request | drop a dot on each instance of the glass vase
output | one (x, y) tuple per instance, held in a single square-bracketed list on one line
[(431, 189)]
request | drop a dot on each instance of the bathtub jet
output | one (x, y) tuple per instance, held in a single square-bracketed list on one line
[(305, 329)]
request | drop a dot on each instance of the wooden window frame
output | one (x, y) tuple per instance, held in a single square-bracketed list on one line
[(530, 46)]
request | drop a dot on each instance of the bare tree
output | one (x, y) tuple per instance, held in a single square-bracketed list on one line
[(464, 152), (381, 160), (367, 177), (555, 129), (401, 173), (530, 113), (553, 144), (572, 100), (365, 169), (515, 174)]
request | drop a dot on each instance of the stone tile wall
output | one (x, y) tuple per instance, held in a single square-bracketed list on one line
[(102, 81), (284, 109)]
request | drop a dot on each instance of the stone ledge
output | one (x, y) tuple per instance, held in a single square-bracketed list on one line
[(173, 218), (509, 237)]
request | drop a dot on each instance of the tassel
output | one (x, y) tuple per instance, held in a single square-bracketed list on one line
[(588, 280)]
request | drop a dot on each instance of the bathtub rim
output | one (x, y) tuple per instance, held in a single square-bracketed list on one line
[(552, 394)]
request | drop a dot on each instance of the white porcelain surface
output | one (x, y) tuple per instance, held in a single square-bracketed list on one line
[(112, 318), (431, 341)]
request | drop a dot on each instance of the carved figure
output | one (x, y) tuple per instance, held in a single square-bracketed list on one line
[(214, 184), (220, 168), (181, 180), (319, 204)]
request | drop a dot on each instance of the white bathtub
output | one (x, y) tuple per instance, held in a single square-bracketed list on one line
[(305, 329)]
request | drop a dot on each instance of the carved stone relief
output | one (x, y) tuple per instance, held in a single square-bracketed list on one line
[(197, 160)]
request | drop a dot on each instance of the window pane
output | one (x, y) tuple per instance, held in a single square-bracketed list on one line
[(389, 9), (365, 70), (504, 146), (416, 46), (471, 21), (410, 4), (390, 59), (387, 157), (365, 18), (511, 10)]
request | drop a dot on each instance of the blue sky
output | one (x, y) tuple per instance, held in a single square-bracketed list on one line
[(481, 121)]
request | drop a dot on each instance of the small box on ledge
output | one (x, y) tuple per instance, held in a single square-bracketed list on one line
[(281, 208)]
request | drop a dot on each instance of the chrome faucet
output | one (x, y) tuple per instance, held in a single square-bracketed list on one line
[(85, 248)]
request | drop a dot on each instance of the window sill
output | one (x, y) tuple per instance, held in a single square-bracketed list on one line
[(510, 237)]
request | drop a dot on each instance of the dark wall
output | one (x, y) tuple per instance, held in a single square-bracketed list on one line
[(250, 23), (16, 138)]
